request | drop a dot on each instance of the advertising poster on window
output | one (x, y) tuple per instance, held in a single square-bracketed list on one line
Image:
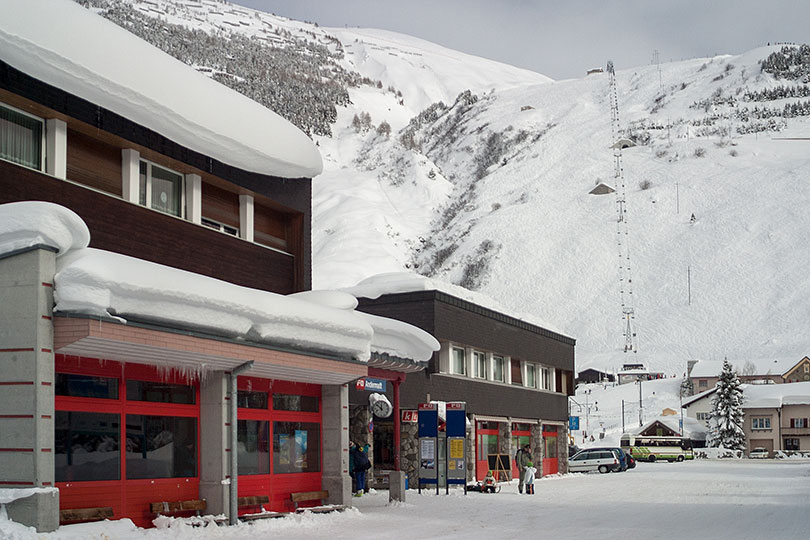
[(300, 448), (283, 449)]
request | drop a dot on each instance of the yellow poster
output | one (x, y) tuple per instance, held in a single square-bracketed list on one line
[(452, 465), (457, 449)]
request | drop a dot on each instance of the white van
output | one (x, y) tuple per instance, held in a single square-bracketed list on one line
[(594, 460)]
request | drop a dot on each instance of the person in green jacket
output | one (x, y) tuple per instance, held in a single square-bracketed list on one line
[(522, 460)]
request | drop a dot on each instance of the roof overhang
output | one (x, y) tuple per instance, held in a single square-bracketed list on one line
[(193, 353)]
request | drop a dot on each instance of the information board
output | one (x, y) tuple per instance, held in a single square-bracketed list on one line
[(428, 418), (456, 426)]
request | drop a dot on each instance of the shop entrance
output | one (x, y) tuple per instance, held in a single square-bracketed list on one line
[(487, 442), (551, 462)]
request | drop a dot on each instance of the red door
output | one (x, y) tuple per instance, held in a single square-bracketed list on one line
[(486, 444), (551, 462)]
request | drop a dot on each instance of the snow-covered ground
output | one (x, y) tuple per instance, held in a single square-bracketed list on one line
[(721, 500)]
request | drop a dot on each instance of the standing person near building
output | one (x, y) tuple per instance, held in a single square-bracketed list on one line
[(528, 478), (352, 450), (522, 458), (361, 465), (366, 449)]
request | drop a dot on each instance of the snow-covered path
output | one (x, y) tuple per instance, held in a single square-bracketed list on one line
[(721, 500)]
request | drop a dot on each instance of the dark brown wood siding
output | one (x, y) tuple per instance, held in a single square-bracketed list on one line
[(270, 227), (93, 163), (220, 205), (122, 227)]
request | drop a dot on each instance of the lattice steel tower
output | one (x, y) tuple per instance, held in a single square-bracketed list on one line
[(622, 226)]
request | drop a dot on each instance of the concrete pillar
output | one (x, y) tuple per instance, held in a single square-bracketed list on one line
[(396, 486), (131, 175), (537, 447), (26, 379), (246, 217), (193, 195), (56, 148), (214, 477), (335, 444)]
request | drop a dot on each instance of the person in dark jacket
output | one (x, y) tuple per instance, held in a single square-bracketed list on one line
[(361, 465), (522, 460)]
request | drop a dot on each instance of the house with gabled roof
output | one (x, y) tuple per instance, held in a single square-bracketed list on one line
[(705, 373)]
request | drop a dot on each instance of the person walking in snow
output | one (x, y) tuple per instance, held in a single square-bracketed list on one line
[(522, 458), (528, 478)]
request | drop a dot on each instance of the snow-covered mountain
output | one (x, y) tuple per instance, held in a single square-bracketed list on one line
[(478, 174)]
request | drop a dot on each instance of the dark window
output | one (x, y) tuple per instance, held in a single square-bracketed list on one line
[(549, 428), (290, 402), (251, 400), (160, 392), (254, 446), (87, 446), (68, 384), (517, 377), (161, 447), (791, 444), (20, 138), (296, 447)]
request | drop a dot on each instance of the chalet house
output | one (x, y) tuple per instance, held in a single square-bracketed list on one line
[(776, 416), (705, 373), (120, 363), (668, 425), (631, 373), (592, 375), (514, 376)]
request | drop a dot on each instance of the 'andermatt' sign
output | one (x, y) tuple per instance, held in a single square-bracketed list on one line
[(371, 385)]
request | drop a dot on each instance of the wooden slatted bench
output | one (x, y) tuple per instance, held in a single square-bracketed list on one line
[(166, 508), (80, 515), (256, 502), (306, 496)]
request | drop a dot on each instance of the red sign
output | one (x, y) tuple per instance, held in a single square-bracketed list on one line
[(455, 405), (410, 415), (427, 407), (360, 384)]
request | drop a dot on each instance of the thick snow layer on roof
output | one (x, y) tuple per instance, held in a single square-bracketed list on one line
[(762, 366), (775, 395), (102, 283), (67, 46), (400, 339), (401, 282), (692, 428), (8, 495), (31, 223)]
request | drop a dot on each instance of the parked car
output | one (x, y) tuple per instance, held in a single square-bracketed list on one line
[(758, 453), (589, 460), (622, 455), (631, 461)]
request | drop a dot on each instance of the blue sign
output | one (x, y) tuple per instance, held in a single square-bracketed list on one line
[(373, 385), (573, 423), (428, 420)]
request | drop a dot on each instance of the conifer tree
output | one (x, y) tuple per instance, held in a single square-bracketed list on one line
[(726, 426)]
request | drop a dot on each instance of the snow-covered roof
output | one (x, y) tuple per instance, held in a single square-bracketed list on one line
[(762, 366), (698, 397), (65, 45), (101, 283), (402, 282), (775, 395), (692, 427), (29, 223)]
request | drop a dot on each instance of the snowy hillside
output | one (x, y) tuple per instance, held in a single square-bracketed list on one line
[(489, 189)]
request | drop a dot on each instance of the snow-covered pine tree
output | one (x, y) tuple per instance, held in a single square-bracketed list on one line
[(687, 387), (726, 426)]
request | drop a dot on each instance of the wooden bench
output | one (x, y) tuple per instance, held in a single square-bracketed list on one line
[(306, 496), (166, 508), (79, 515), (256, 502)]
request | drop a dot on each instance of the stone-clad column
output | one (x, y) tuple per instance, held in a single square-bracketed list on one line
[(26, 385), (335, 444)]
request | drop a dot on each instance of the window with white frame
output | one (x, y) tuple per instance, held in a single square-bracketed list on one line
[(703, 416), (458, 361), (547, 378), (761, 422), (480, 364), (530, 381), (798, 422), (703, 383), (160, 188), (21, 137), (497, 368)]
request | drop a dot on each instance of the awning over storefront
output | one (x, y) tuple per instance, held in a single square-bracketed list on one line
[(193, 353)]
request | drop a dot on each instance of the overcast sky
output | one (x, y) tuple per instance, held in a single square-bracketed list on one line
[(563, 38)]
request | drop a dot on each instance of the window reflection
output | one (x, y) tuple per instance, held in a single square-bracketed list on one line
[(254, 446), (296, 447), (86, 446), (161, 447)]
